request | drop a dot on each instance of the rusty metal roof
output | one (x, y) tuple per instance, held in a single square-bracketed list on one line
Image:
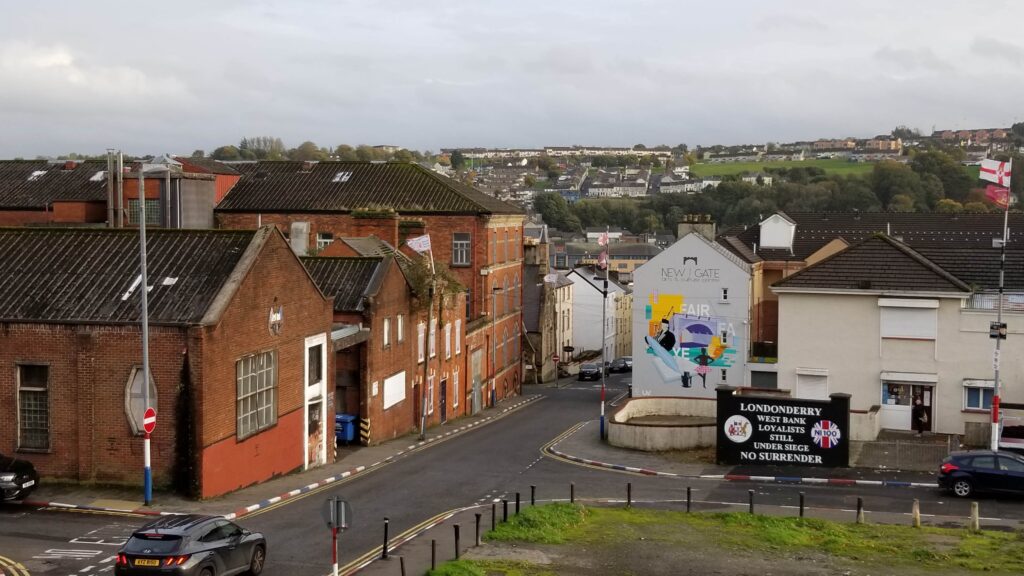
[(63, 275)]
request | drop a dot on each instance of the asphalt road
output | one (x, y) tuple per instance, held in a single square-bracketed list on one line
[(477, 467)]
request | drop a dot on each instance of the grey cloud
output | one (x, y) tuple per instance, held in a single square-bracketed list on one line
[(993, 48)]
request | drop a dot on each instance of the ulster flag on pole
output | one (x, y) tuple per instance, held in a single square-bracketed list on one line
[(996, 171)]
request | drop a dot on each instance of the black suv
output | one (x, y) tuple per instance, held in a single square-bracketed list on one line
[(963, 473), (589, 372), (193, 545), (17, 478)]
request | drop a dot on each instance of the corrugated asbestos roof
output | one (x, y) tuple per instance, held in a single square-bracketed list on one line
[(876, 264), (206, 166), (286, 186), (26, 184), (349, 280), (61, 275)]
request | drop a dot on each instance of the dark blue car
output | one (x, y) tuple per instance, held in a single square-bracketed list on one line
[(964, 473)]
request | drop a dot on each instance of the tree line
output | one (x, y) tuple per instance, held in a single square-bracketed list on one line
[(272, 148), (932, 181)]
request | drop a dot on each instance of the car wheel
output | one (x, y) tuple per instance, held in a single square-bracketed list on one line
[(259, 557), (962, 487), (206, 572)]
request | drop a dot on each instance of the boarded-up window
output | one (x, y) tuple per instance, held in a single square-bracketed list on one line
[(394, 390), (906, 318)]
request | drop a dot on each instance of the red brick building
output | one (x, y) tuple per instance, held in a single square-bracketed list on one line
[(478, 237), (386, 350), (239, 360)]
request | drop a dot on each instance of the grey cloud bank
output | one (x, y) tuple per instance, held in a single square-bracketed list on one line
[(82, 77)]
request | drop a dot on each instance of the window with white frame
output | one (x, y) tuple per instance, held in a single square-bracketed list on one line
[(460, 249), (455, 388), (430, 394), (323, 240), (433, 339), (908, 318), (400, 336), (421, 332), (33, 407), (387, 332), (458, 336), (447, 340), (256, 383), (978, 394)]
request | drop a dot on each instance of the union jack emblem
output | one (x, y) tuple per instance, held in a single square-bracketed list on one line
[(826, 434)]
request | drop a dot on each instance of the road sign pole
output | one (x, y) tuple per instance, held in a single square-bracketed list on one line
[(334, 550), (148, 473)]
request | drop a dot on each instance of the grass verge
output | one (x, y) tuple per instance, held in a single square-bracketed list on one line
[(616, 530)]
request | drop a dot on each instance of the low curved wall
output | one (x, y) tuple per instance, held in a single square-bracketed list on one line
[(695, 427)]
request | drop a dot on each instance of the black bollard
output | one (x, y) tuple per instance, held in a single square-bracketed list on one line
[(384, 551), (533, 495), (517, 503), (801, 504), (687, 498), (494, 513), (504, 510), (629, 494), (477, 539), (456, 541), (433, 554), (751, 493), (572, 493)]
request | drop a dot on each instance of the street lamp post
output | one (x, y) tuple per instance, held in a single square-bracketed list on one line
[(147, 472), (604, 322)]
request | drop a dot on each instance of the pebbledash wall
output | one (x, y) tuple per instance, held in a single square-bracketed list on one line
[(690, 329)]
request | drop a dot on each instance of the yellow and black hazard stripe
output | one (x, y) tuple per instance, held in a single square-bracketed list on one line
[(10, 567)]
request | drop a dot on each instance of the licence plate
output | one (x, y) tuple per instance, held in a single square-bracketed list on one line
[(146, 562)]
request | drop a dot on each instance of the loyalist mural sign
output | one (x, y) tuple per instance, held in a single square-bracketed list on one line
[(756, 429)]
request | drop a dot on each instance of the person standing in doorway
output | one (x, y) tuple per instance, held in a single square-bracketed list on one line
[(919, 414)]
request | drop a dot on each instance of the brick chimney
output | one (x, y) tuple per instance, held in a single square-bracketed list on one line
[(70, 164), (383, 225), (700, 223)]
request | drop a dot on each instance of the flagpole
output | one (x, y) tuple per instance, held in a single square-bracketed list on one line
[(999, 315)]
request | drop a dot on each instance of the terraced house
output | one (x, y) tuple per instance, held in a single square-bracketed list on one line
[(477, 237)]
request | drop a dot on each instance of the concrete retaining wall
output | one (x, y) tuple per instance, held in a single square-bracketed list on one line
[(864, 426), (657, 437)]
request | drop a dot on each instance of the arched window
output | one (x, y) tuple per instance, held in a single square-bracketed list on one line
[(504, 347), (515, 291), (506, 294)]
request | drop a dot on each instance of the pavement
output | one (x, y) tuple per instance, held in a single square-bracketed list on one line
[(580, 444)]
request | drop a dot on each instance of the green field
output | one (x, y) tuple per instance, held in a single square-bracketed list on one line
[(832, 166)]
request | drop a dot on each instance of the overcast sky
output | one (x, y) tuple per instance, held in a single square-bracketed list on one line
[(84, 76)]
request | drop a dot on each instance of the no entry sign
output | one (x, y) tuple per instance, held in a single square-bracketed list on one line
[(555, 358), (149, 420)]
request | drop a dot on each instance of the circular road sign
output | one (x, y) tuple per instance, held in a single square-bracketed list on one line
[(149, 420), (555, 358)]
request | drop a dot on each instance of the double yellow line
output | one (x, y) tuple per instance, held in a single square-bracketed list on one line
[(8, 566)]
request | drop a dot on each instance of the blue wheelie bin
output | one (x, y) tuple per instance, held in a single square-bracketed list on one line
[(345, 428)]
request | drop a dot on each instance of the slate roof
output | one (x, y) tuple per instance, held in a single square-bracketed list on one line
[(371, 246), (614, 249), (60, 275), (33, 184), (879, 263), (918, 230), (286, 186), (349, 280)]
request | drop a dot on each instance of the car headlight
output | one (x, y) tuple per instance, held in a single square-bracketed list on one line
[(8, 477)]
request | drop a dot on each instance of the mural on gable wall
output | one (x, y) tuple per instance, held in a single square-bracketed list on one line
[(685, 342)]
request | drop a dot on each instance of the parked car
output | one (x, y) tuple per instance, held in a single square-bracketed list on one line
[(194, 545), (18, 478), (621, 365), (589, 372), (964, 473)]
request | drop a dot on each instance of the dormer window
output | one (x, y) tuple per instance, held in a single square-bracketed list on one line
[(341, 177)]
